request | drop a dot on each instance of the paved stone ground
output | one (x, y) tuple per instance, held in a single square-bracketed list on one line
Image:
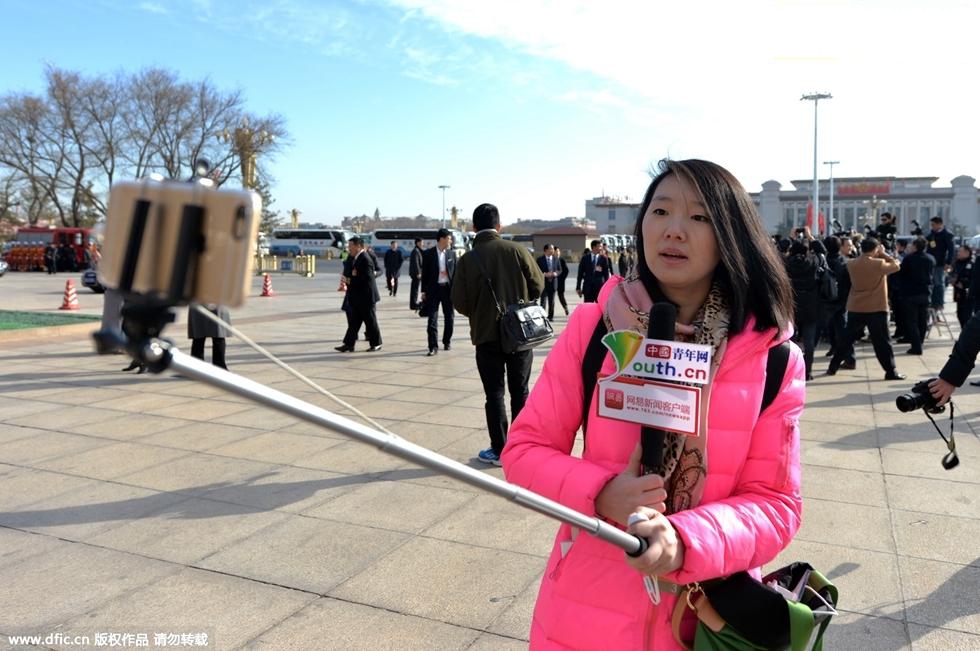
[(152, 504)]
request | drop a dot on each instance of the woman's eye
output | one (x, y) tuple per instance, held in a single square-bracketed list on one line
[(659, 211), (701, 218)]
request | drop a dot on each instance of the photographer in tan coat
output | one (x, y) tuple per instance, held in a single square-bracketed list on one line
[(867, 305)]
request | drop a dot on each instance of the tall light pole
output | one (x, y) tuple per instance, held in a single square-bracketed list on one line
[(816, 97), (830, 219), (444, 188)]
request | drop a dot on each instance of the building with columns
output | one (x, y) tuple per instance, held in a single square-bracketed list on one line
[(861, 200)]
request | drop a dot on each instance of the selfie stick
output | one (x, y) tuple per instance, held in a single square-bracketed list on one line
[(159, 355)]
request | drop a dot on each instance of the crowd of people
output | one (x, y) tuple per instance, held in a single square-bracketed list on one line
[(847, 285)]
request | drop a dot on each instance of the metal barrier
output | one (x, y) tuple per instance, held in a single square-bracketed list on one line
[(304, 265)]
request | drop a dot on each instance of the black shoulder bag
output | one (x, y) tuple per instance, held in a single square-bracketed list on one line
[(523, 325)]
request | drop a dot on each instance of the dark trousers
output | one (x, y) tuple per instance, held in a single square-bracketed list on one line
[(494, 365), (561, 298), (838, 324), (877, 324), (938, 287), (916, 312), (806, 337), (964, 310), (392, 283), (590, 295), (441, 298), (548, 299), (218, 346), (901, 310), (413, 294), (362, 314)]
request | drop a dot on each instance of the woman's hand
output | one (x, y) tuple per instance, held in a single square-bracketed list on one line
[(629, 490), (665, 553)]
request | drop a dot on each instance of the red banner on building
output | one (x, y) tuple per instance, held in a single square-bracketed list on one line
[(857, 187)]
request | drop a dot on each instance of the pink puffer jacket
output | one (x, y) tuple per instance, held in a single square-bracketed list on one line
[(590, 599)]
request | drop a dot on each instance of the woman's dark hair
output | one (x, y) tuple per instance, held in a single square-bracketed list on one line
[(750, 271), (816, 246)]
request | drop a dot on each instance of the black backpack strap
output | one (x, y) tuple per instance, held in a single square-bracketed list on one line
[(776, 363), (595, 354)]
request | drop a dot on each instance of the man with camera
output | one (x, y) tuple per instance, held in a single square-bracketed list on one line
[(512, 272), (362, 294), (915, 280), (942, 248), (867, 305)]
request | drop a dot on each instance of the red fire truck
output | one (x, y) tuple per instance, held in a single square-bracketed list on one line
[(27, 249)]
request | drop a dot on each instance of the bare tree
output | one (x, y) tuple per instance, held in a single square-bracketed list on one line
[(61, 151)]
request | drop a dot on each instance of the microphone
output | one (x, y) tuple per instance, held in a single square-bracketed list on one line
[(663, 315)]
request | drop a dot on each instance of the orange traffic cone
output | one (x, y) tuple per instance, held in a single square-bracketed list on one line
[(71, 297), (267, 286)]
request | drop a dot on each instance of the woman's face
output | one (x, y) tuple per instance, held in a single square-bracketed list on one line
[(963, 254), (679, 241)]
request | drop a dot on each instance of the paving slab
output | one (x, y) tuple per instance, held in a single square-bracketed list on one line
[(334, 624), (424, 577), (186, 531), (48, 589), (306, 553), (230, 610)]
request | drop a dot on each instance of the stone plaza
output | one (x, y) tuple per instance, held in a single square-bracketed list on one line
[(152, 505)]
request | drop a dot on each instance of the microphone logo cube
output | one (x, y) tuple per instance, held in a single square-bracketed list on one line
[(658, 351), (614, 398)]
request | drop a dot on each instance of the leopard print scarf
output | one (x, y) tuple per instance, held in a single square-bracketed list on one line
[(685, 457)]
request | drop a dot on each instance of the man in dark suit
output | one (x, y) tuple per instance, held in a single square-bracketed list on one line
[(415, 271), (916, 282), (438, 267), (562, 276), (593, 272), (548, 264), (394, 258), (362, 294)]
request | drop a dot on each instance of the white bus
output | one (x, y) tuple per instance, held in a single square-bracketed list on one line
[(308, 241), (382, 238)]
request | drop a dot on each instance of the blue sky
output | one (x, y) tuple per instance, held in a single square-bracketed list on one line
[(537, 105)]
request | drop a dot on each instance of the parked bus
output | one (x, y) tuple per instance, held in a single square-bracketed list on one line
[(382, 238), (527, 239), (308, 241)]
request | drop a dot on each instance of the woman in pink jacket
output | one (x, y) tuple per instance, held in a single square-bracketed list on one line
[(729, 499)]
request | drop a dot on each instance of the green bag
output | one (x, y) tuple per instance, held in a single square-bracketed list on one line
[(788, 610)]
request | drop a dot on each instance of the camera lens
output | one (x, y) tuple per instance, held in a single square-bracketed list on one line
[(909, 402)]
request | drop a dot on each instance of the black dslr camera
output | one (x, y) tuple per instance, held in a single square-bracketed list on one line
[(919, 397)]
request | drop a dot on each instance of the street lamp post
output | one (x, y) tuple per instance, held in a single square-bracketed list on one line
[(815, 98), (444, 188), (830, 219), (247, 142)]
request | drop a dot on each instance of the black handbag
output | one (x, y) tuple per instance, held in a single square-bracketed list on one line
[(523, 325)]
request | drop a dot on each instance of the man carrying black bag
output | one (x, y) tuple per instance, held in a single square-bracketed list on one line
[(515, 277)]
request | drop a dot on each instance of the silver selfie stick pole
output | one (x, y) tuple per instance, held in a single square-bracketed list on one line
[(159, 354)]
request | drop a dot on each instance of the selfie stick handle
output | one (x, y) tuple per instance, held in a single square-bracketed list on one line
[(160, 355)]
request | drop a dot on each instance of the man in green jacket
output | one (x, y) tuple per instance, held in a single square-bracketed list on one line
[(515, 276)]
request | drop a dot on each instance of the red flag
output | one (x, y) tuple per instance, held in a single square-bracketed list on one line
[(809, 215)]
